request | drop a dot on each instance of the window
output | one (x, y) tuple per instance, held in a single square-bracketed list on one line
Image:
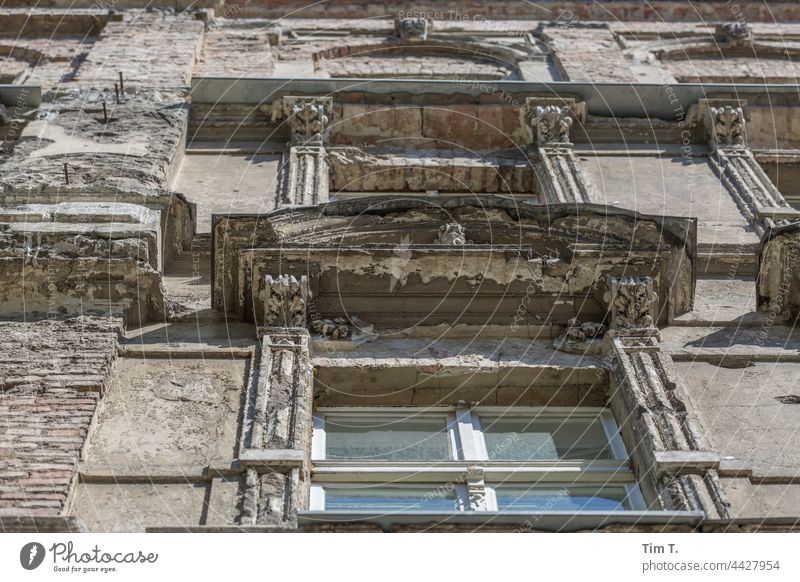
[(445, 460)]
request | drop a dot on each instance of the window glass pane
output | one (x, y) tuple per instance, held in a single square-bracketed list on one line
[(391, 499), (386, 438), (561, 498), (517, 438)]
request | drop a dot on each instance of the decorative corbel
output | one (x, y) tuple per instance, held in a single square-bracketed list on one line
[(413, 29), (734, 34), (581, 338), (476, 488), (754, 193), (341, 327), (549, 119), (451, 234), (308, 119), (725, 125), (550, 125), (632, 302), (561, 179), (285, 301)]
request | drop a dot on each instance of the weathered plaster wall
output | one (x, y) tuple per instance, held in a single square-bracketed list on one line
[(163, 444), (168, 412), (135, 46), (748, 411), (762, 500), (226, 183), (420, 372), (743, 414), (670, 185), (163, 447), (124, 507), (74, 258), (127, 158)]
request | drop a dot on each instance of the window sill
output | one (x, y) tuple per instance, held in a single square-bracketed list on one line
[(524, 521)]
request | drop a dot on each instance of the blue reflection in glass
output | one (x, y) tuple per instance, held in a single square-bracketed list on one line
[(390, 499), (562, 499)]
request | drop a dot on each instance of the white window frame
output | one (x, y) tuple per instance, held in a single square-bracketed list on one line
[(318, 492), (468, 450)]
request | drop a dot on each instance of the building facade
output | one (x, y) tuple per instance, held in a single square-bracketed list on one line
[(368, 267)]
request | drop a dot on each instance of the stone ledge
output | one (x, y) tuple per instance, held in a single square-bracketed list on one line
[(744, 470), (547, 521), (777, 213), (147, 473), (183, 351), (11, 523), (267, 458), (682, 462)]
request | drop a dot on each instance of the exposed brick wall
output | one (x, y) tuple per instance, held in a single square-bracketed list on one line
[(149, 49), (467, 126), (588, 54), (236, 53), (415, 66), (614, 10), (655, 10), (735, 70), (52, 374), (16, 23), (51, 60)]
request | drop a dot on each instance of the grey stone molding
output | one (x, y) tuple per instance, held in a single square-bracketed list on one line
[(308, 118), (451, 234), (277, 430), (416, 28), (560, 177), (306, 179), (756, 196), (734, 33), (778, 282), (285, 300), (248, 248), (632, 302), (671, 459)]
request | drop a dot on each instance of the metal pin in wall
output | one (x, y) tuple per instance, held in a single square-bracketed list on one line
[(66, 172), (116, 92), (121, 83), (105, 113)]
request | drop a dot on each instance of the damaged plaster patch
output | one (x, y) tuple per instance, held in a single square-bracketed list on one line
[(475, 269), (62, 143), (165, 412), (199, 390)]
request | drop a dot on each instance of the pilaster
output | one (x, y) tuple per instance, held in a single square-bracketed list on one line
[(671, 459), (758, 199), (307, 173), (559, 175), (277, 428)]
